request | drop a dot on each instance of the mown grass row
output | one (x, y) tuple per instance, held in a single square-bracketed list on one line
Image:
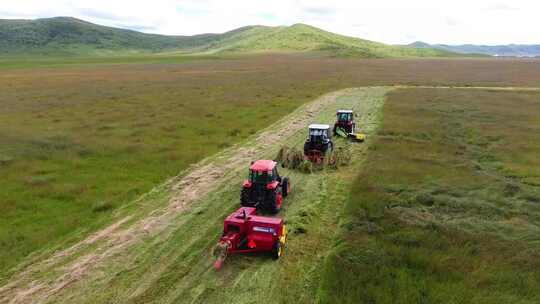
[(447, 208), (73, 150), (175, 266)]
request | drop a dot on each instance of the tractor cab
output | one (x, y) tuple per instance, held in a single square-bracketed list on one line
[(318, 143), (319, 134), (345, 121), (263, 172), (264, 188)]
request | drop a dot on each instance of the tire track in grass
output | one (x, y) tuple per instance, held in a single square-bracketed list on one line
[(45, 279), (186, 275), (255, 279)]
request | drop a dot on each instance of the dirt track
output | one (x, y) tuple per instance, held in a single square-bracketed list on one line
[(76, 262)]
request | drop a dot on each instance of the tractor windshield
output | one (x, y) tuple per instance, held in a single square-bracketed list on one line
[(344, 117), (261, 177), (317, 132)]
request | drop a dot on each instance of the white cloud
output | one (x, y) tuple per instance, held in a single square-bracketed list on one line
[(390, 21)]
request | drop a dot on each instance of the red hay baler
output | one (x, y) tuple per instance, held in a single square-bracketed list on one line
[(244, 231)]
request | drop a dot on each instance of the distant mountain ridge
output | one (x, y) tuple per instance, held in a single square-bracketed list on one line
[(71, 36), (513, 50)]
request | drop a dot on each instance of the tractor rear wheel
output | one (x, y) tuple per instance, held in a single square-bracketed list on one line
[(285, 186), (274, 201), (244, 197)]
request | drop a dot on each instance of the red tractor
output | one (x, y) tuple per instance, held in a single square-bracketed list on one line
[(345, 122), (244, 231), (264, 189)]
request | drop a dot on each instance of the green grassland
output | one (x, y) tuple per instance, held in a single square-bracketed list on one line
[(79, 139), (73, 148), (82, 139), (446, 207), (35, 62), (175, 265), (69, 37), (442, 209)]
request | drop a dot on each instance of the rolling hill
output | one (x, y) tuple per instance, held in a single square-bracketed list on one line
[(70, 36), (514, 50), (73, 36), (305, 38)]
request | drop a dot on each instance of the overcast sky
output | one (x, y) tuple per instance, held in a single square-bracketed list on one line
[(390, 21)]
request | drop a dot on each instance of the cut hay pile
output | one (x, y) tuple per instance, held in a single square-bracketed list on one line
[(292, 158)]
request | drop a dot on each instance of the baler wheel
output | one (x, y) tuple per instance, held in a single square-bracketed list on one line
[(277, 251)]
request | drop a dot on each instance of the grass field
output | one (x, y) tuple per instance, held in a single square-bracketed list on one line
[(163, 255), (76, 144), (82, 139), (445, 209), (441, 210)]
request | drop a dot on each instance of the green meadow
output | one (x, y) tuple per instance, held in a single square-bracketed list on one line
[(446, 208), (444, 194)]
